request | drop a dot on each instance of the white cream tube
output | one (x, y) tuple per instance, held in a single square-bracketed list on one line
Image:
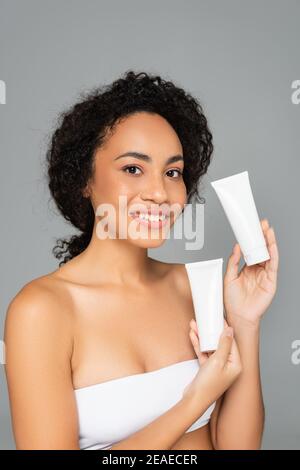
[(236, 197), (206, 282)]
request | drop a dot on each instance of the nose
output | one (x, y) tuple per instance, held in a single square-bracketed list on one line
[(155, 191)]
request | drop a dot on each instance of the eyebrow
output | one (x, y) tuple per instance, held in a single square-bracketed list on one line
[(146, 158)]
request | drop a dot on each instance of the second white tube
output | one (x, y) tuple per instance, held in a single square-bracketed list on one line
[(206, 282)]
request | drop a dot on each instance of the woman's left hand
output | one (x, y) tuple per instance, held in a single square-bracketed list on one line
[(248, 293)]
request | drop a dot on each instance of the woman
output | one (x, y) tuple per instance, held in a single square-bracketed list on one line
[(103, 353)]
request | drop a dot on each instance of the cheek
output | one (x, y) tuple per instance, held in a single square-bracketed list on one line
[(108, 186), (178, 193)]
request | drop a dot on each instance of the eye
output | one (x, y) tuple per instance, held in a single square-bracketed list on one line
[(132, 171), (178, 171), (130, 167)]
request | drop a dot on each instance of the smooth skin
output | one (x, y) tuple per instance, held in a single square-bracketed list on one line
[(112, 312)]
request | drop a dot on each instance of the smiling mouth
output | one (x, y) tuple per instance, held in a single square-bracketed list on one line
[(153, 220)]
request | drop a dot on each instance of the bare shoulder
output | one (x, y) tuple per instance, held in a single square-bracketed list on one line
[(38, 348), (40, 304)]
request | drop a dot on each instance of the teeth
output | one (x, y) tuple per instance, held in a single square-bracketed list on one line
[(151, 218)]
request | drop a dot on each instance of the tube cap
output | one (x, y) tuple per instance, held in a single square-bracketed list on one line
[(257, 255)]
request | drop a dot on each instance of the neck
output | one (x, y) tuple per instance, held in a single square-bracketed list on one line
[(114, 261)]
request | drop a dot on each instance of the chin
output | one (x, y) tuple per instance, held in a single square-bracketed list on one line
[(148, 242), (146, 239)]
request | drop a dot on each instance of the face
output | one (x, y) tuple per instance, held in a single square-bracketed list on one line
[(149, 180)]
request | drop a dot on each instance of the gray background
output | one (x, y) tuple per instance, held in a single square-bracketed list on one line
[(239, 59)]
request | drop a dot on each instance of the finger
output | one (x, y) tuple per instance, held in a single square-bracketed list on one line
[(272, 264), (264, 224), (234, 355), (202, 356), (196, 344), (194, 326), (232, 270), (265, 227), (225, 344)]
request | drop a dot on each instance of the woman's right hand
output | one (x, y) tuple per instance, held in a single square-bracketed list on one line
[(218, 369)]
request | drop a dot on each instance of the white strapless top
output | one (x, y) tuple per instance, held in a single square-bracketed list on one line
[(111, 411)]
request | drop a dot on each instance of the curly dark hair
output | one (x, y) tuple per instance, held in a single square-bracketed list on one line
[(83, 128)]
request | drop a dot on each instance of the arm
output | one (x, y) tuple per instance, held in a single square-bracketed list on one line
[(247, 295), (241, 416), (38, 349), (213, 422)]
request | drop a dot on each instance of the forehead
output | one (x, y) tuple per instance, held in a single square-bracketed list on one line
[(143, 132)]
